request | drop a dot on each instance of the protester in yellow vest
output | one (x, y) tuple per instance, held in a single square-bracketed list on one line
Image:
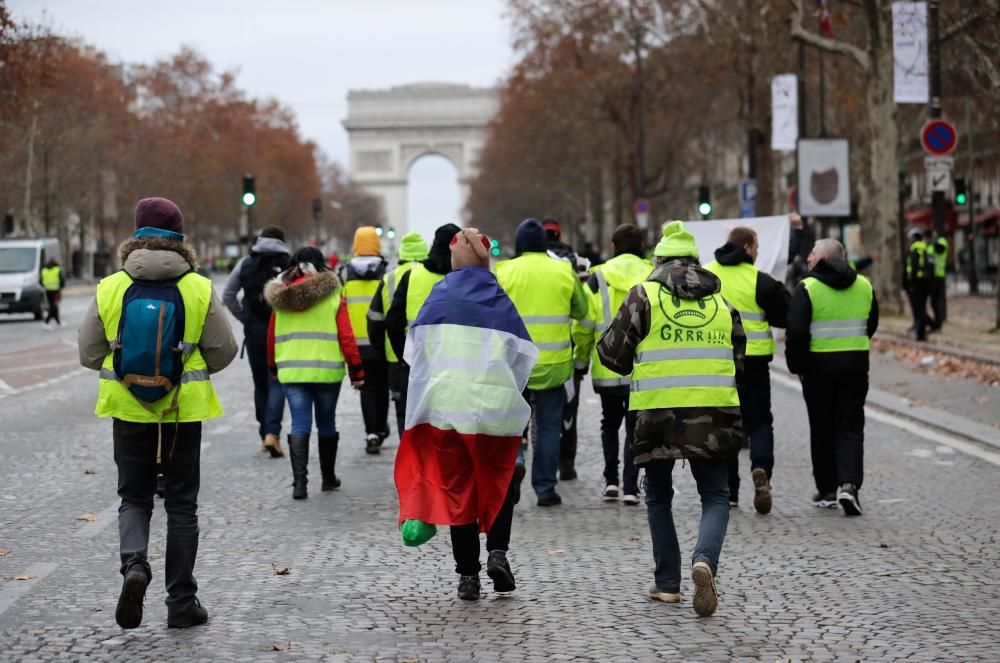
[(52, 281), (683, 345), (937, 252), (832, 315), (918, 283), (311, 347), (412, 250), (606, 289), (169, 428), (548, 296), (762, 303)]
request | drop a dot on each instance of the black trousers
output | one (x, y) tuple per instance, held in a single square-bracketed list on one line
[(939, 301), (614, 410), (268, 408), (567, 436), (917, 294), (465, 538), (397, 389), (375, 396), (835, 403), (135, 455), (53, 297), (755, 408)]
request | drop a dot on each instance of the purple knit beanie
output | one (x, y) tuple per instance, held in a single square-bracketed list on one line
[(159, 213)]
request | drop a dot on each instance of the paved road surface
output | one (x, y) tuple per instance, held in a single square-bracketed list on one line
[(914, 579)]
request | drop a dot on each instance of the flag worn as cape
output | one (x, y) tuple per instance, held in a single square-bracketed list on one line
[(470, 357)]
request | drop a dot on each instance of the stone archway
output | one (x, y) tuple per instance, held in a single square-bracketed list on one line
[(388, 130)]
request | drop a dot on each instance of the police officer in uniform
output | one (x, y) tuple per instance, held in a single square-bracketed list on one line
[(937, 252), (832, 316), (917, 283)]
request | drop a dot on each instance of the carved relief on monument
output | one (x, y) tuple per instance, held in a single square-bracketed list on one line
[(379, 161)]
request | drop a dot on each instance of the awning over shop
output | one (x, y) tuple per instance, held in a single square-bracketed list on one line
[(922, 217)]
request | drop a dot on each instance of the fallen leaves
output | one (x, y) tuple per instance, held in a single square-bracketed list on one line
[(26, 576), (4, 552), (635, 537), (279, 571), (926, 360), (89, 471), (282, 646), (89, 517)]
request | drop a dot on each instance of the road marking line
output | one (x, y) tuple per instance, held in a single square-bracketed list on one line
[(902, 423), (15, 589)]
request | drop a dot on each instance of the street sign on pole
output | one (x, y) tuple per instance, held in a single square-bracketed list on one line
[(938, 173), (748, 198), (938, 137), (641, 208)]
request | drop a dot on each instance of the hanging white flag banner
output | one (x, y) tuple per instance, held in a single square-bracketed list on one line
[(772, 237), (784, 112), (909, 52)]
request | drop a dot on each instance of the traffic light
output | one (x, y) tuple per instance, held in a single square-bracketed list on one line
[(961, 196), (704, 202), (249, 193), (317, 209), (494, 247), (378, 230), (391, 233)]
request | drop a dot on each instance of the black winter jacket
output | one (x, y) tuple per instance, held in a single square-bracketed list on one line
[(395, 317)]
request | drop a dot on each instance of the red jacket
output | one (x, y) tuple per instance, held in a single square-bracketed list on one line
[(345, 335)]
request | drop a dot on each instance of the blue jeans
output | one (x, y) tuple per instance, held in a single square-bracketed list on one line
[(303, 397), (711, 476), (547, 409)]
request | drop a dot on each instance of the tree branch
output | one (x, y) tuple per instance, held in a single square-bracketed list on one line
[(985, 61), (835, 46), (963, 23)]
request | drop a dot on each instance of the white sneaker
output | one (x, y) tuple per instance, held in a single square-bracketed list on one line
[(610, 492), (630, 500)]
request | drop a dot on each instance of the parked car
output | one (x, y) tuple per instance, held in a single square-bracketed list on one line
[(21, 262)]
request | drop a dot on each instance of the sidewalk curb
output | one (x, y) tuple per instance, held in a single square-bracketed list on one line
[(902, 339), (938, 420)]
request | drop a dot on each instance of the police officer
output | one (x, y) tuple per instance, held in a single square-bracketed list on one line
[(412, 250), (832, 316), (938, 253), (52, 281), (361, 276), (683, 345), (143, 431), (762, 303), (606, 289), (918, 283), (547, 295)]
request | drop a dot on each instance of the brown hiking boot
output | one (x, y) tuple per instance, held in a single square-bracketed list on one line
[(761, 491), (273, 446)]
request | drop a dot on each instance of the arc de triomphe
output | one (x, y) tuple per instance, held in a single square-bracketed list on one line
[(390, 129)]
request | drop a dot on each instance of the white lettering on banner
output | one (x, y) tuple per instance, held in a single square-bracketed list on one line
[(772, 236)]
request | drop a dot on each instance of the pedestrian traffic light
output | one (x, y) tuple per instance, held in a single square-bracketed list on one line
[(704, 202), (494, 247), (961, 196), (249, 193), (391, 233), (378, 230), (317, 209)]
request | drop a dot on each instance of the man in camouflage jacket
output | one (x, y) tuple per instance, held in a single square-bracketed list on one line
[(706, 436)]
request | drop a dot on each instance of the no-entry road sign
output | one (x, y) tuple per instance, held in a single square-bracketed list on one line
[(938, 137)]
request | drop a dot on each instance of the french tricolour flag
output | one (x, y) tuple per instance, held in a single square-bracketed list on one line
[(470, 357)]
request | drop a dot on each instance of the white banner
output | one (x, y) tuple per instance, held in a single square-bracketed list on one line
[(772, 235), (824, 177), (784, 112), (909, 51)]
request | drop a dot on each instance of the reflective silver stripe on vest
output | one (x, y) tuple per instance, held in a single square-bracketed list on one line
[(362, 340), (391, 282), (684, 381), (545, 319), (840, 333), (838, 328), (612, 382), (759, 336), (837, 324), (187, 376), (108, 374), (602, 285), (359, 299), (668, 354), (558, 345), (589, 324), (375, 316), (305, 336), (310, 363), (750, 315)]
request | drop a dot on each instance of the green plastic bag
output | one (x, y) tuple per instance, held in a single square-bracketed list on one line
[(417, 532)]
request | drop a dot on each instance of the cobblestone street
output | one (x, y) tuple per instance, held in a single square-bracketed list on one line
[(915, 578)]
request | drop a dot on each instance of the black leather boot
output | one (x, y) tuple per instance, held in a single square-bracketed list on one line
[(298, 451), (328, 461)]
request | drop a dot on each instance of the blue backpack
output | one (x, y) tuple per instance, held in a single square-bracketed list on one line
[(149, 351)]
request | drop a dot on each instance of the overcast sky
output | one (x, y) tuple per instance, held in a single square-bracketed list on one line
[(308, 54)]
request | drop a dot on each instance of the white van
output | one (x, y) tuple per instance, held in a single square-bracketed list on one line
[(21, 262)]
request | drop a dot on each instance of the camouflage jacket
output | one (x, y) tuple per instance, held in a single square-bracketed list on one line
[(674, 433)]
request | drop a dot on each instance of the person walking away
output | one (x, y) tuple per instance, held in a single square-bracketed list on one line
[(606, 289), (412, 291), (684, 346), (762, 303), (52, 281), (548, 296), (362, 275), (832, 316), (268, 257), (157, 307), (917, 283), (459, 471), (938, 253), (412, 250), (310, 341)]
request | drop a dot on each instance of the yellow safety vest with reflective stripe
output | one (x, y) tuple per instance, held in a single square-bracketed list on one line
[(196, 399), (52, 278), (839, 317), (306, 347), (921, 270), (359, 293), (541, 288), (687, 358), (940, 259), (422, 281), (739, 288), (389, 283)]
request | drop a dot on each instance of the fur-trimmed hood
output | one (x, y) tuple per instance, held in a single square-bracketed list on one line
[(156, 258), (302, 293)]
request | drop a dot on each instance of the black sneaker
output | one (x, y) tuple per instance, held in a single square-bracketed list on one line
[(567, 473), (761, 491), (468, 588), (128, 614), (825, 500), (193, 615), (550, 500), (848, 498), (519, 472), (373, 444), (498, 569)]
